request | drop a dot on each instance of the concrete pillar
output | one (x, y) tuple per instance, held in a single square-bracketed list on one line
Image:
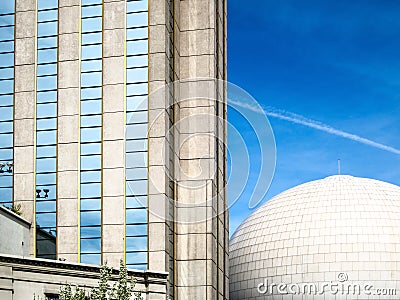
[(68, 153), (113, 202), (25, 110)]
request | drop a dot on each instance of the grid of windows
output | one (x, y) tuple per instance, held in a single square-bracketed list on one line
[(91, 132), (137, 126), (7, 19), (46, 128)]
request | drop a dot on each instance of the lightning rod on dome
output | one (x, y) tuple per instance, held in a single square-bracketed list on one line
[(338, 165)]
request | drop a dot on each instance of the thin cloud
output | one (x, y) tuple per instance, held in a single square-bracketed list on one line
[(301, 120)]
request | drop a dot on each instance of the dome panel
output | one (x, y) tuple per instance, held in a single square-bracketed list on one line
[(321, 232)]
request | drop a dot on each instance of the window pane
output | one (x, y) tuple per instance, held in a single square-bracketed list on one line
[(47, 4), (46, 29), (46, 151), (46, 219), (6, 46), (45, 165), (6, 20), (7, 33), (137, 47), (137, 75), (137, 19), (46, 124), (137, 6), (46, 110), (134, 216), (136, 145), (90, 218), (92, 11), (90, 204), (46, 179), (6, 154), (94, 148), (45, 206), (7, 86), (93, 259), (46, 137), (137, 258), (91, 176), (92, 24), (90, 245), (137, 187), (47, 56), (91, 134), (136, 202), (91, 79), (136, 243), (91, 162), (91, 65), (90, 232), (47, 42), (136, 230), (47, 83), (50, 69), (48, 15), (6, 127), (137, 33), (91, 190), (92, 38), (91, 107), (136, 131), (48, 96), (91, 93), (6, 100), (137, 61), (136, 174), (92, 51)]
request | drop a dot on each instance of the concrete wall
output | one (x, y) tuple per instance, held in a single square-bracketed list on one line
[(21, 278), (14, 233)]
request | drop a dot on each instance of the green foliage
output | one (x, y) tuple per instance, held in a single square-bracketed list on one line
[(121, 290), (16, 208)]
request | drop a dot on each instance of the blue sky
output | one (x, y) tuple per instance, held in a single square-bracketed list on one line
[(336, 62)]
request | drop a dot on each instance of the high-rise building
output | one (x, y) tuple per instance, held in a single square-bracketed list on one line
[(92, 174)]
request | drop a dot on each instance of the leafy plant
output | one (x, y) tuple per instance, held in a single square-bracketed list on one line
[(121, 290), (16, 208)]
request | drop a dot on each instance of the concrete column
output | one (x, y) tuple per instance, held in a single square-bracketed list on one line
[(158, 127), (202, 247), (113, 202), (68, 152), (25, 110)]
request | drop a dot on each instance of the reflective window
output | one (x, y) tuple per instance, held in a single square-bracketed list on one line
[(136, 134), (7, 17), (91, 131), (46, 128)]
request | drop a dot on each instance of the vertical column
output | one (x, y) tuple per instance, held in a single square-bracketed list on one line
[(113, 210), (161, 188), (202, 246), (68, 151), (24, 107)]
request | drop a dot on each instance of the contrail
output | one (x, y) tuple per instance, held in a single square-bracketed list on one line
[(299, 119)]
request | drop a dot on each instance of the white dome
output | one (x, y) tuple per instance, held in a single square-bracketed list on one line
[(339, 230)]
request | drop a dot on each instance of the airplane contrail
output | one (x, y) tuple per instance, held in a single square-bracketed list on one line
[(299, 119)]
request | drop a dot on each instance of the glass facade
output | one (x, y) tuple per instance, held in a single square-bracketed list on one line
[(7, 19), (91, 131), (46, 129), (137, 127)]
